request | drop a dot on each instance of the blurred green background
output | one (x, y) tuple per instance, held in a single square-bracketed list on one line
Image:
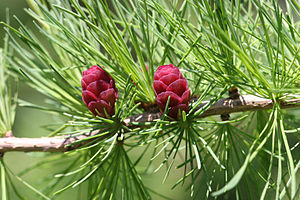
[(30, 122)]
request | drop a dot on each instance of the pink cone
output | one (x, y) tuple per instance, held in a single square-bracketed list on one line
[(98, 91), (168, 81)]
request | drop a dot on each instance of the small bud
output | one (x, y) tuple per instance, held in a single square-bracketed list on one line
[(99, 92), (168, 81)]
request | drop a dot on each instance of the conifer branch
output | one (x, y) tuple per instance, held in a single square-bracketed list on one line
[(43, 144), (62, 144), (225, 106)]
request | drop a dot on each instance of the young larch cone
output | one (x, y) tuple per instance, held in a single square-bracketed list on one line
[(99, 92), (168, 81)]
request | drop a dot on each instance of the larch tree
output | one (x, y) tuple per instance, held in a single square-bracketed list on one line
[(208, 88)]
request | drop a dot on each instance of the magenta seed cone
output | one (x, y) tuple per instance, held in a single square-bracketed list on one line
[(168, 81), (99, 92)]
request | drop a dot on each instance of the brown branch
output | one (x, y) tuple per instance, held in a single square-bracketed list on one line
[(45, 144), (223, 106), (50, 144)]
